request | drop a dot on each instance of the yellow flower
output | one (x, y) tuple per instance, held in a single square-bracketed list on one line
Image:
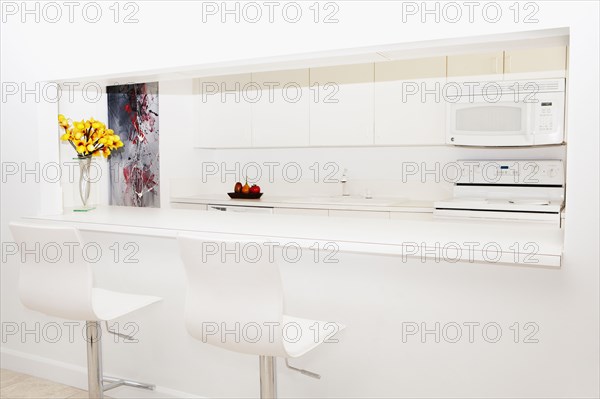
[(86, 135)]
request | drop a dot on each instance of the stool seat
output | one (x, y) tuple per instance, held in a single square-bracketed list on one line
[(311, 337), (235, 290), (110, 305), (59, 282)]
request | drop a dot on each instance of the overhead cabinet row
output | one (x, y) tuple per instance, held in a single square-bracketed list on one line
[(383, 103)]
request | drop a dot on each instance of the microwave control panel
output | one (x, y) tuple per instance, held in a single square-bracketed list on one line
[(546, 119)]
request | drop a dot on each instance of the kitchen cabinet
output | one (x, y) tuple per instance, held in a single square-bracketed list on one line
[(224, 111), (301, 211), (360, 214), (404, 113), (180, 205), (341, 105), (384, 103), (551, 60), (280, 118), (411, 215), (467, 65), (537, 62)]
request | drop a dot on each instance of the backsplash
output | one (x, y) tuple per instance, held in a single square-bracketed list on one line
[(414, 173)]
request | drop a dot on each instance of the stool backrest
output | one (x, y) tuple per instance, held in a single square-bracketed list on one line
[(54, 278), (234, 298)]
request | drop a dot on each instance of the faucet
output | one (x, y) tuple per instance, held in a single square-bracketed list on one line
[(344, 181)]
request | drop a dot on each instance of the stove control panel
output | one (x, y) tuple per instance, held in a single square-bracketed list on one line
[(515, 172)]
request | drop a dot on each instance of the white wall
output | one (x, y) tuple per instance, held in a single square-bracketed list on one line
[(564, 303)]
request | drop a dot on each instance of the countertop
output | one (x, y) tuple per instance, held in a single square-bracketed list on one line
[(381, 204), (407, 238)]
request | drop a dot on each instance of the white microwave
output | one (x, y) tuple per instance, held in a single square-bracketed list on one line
[(506, 114)]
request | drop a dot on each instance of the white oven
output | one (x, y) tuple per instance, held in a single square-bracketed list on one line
[(506, 114)]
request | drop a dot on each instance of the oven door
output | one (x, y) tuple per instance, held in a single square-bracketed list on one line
[(499, 122)]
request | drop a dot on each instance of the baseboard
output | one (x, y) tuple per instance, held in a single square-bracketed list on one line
[(75, 376)]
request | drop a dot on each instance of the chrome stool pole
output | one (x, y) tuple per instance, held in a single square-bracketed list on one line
[(94, 359), (268, 377)]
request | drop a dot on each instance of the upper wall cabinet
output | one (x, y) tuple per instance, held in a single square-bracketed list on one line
[(488, 64), (341, 105), (280, 117), (543, 62), (224, 113), (383, 103), (537, 63), (404, 113)]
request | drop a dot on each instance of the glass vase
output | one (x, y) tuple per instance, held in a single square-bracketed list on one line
[(85, 184)]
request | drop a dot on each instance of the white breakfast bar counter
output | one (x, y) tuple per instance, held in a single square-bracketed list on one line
[(376, 284), (499, 242)]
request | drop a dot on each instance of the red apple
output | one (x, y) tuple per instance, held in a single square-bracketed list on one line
[(255, 189)]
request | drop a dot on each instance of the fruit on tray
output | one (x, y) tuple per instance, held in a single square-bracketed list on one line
[(255, 189), (246, 189), (238, 187)]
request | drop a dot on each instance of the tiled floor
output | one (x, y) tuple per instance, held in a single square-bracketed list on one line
[(16, 385)]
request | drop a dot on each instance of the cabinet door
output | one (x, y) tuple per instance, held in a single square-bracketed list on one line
[(223, 112), (301, 211), (488, 64), (280, 118), (404, 113), (341, 105), (552, 60), (411, 215), (360, 214), (181, 205)]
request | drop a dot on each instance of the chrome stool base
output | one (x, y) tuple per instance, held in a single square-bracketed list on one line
[(111, 383), (96, 381)]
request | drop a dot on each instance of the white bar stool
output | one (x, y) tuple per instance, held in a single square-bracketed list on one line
[(64, 288), (238, 294)]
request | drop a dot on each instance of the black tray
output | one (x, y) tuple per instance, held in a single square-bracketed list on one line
[(245, 196)]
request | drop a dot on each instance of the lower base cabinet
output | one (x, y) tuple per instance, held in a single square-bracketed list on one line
[(360, 214), (198, 207), (301, 211), (411, 215), (330, 212)]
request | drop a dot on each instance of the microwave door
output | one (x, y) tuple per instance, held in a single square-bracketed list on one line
[(478, 121)]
